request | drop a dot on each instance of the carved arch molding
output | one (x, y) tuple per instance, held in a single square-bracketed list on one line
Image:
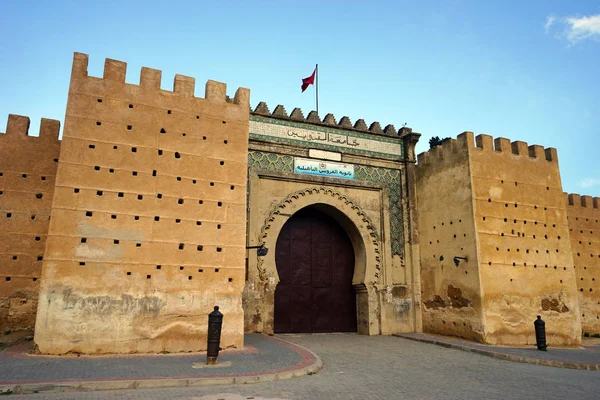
[(280, 208)]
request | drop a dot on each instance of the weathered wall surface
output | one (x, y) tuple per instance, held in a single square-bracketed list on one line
[(451, 294), (148, 220), (583, 213), (525, 261), (27, 173)]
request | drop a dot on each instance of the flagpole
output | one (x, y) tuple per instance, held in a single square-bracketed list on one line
[(317, 88)]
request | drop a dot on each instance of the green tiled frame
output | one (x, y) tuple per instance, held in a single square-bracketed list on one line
[(361, 135), (388, 177)]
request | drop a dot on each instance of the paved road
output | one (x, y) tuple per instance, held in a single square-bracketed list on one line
[(383, 367)]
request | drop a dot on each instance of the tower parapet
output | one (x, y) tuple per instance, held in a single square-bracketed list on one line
[(150, 79)]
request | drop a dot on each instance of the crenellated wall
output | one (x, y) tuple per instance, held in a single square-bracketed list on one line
[(148, 220), (522, 263), (583, 213), (526, 267), (27, 174), (451, 294)]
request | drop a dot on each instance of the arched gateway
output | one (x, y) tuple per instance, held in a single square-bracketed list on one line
[(315, 262), (362, 248)]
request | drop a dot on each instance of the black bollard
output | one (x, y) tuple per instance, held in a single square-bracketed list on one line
[(540, 333), (215, 321)]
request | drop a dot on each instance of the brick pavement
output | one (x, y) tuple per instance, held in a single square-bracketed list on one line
[(384, 367)]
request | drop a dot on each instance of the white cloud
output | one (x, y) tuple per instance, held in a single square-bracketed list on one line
[(583, 28), (549, 21), (576, 29), (589, 182)]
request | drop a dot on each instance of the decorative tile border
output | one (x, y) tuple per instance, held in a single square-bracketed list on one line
[(386, 176), (321, 137)]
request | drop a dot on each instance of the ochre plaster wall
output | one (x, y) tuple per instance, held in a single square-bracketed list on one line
[(27, 174), (525, 261), (148, 221), (583, 213), (450, 294)]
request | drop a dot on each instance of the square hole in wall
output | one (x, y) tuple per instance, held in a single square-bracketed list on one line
[(156, 218), (199, 248), (112, 171), (83, 240)]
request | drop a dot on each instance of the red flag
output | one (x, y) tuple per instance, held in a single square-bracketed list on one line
[(308, 81)]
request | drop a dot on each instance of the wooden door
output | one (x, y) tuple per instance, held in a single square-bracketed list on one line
[(315, 262)]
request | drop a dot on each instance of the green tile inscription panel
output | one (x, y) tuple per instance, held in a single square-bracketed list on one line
[(387, 177)]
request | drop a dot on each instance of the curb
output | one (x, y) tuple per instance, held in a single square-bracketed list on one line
[(87, 386), (506, 357)]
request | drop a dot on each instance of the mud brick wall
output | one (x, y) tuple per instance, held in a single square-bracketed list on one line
[(148, 221), (525, 261), (27, 174), (583, 213), (501, 205), (451, 295)]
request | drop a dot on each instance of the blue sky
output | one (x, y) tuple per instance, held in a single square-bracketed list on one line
[(525, 70)]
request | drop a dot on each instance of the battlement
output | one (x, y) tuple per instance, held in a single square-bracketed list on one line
[(503, 145), (345, 123), (576, 200), (487, 143), (150, 79), (17, 126)]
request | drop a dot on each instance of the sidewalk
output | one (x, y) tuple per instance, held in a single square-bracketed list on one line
[(263, 359), (584, 358)]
